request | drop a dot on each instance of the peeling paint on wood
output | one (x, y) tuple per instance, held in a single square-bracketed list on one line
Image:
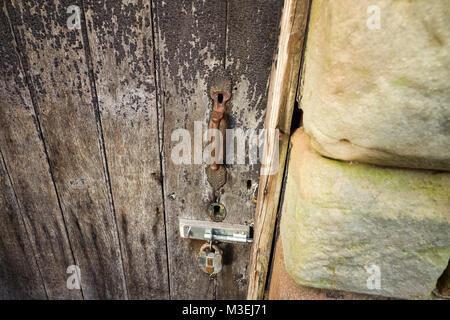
[(252, 33), (120, 35), (59, 74), (191, 47), (24, 155), (89, 147), (281, 97), (191, 44)]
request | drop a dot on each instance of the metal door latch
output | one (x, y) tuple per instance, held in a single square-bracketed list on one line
[(215, 231)]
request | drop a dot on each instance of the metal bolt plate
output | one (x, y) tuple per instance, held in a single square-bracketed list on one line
[(215, 231)]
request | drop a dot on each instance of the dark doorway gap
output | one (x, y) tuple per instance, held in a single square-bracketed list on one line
[(443, 283), (297, 117)]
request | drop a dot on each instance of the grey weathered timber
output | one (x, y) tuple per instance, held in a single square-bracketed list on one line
[(121, 46), (252, 33), (194, 41), (86, 120), (191, 44), (41, 221), (19, 274), (55, 56), (280, 106)]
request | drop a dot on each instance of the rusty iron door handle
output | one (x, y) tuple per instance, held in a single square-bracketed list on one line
[(218, 121)]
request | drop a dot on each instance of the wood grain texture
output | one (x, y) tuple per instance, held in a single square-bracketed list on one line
[(19, 273), (191, 44), (55, 56), (121, 45), (194, 41), (25, 157), (96, 118), (282, 94), (251, 42)]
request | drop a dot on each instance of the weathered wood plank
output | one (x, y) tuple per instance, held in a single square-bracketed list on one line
[(24, 154), (56, 58), (282, 94), (191, 48), (252, 33), (121, 45), (19, 274), (191, 44)]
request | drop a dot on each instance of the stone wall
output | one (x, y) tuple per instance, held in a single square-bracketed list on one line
[(367, 207)]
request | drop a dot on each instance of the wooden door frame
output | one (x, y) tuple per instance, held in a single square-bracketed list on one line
[(284, 81)]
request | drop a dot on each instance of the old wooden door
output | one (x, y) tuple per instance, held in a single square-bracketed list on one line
[(91, 93)]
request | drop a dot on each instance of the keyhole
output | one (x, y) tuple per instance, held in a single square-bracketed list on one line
[(220, 97), (217, 211)]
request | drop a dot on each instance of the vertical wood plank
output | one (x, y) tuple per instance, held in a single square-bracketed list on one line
[(25, 157), (59, 75), (282, 94), (191, 44), (19, 274), (252, 33), (121, 45), (194, 40)]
